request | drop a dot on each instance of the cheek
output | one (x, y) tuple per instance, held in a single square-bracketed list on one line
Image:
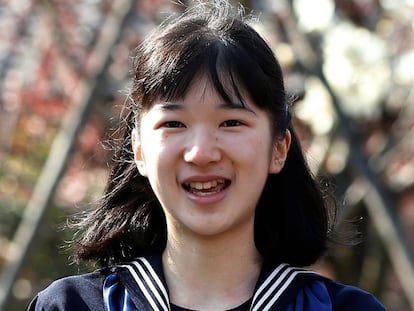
[(159, 157), (256, 148)]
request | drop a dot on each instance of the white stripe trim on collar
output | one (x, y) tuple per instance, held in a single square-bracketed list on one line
[(141, 286), (268, 280), (280, 282), (149, 282), (285, 285), (155, 277)]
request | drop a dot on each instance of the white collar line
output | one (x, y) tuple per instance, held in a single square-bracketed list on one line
[(281, 281), (150, 283)]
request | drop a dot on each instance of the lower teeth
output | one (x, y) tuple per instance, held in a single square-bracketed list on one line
[(204, 193)]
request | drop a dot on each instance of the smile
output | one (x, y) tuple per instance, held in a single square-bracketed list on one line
[(206, 188)]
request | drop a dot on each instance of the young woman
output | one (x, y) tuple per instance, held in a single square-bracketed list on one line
[(210, 204)]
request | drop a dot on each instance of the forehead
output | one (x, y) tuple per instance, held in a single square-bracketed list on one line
[(222, 89), (204, 86), (201, 97)]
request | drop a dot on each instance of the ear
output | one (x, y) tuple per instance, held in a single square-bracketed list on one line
[(279, 153), (137, 150)]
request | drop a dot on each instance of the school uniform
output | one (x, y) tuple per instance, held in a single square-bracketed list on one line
[(140, 286)]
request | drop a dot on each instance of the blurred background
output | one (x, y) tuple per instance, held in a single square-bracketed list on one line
[(65, 72)]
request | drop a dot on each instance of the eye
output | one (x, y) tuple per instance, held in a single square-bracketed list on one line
[(173, 124), (231, 123)]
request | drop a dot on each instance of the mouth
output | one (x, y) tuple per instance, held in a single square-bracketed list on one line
[(206, 188)]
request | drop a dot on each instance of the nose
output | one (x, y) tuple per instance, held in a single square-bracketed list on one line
[(202, 148)]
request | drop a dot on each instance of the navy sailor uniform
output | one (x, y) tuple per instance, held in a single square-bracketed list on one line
[(140, 286)]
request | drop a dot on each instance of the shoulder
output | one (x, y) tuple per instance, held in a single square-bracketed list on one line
[(80, 292), (293, 288), (347, 298)]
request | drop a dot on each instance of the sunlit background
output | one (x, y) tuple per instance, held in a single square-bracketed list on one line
[(65, 70)]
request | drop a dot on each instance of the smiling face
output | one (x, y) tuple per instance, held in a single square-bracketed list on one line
[(207, 160)]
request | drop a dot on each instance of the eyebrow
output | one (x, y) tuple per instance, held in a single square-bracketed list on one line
[(232, 105), (171, 106), (226, 105)]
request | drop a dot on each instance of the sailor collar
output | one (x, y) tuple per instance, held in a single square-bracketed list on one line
[(144, 280)]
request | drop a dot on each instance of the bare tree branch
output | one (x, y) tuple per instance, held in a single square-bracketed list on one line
[(61, 149)]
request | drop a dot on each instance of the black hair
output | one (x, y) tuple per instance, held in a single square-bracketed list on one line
[(292, 221)]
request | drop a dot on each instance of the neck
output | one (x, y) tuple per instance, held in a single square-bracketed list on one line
[(211, 273)]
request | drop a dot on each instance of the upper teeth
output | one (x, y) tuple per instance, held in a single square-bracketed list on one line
[(205, 185)]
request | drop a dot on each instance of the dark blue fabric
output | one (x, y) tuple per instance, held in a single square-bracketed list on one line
[(350, 298), (312, 297), (116, 297), (91, 292), (316, 295), (80, 293)]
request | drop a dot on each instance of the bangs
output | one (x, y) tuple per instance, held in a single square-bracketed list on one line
[(214, 60)]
